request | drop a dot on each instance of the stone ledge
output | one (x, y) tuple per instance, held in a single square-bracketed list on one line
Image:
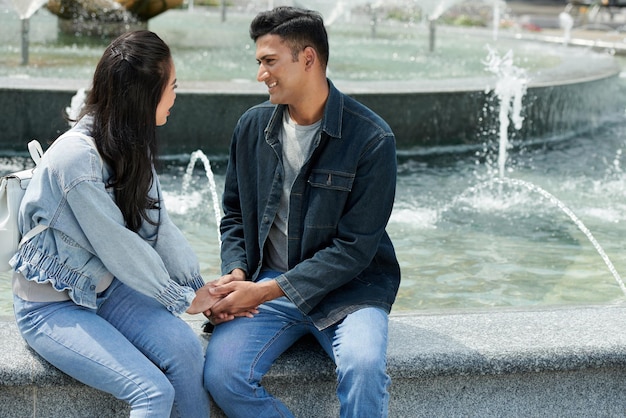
[(560, 362)]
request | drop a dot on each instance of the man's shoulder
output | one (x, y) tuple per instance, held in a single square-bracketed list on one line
[(259, 113), (364, 113), (353, 105), (260, 109)]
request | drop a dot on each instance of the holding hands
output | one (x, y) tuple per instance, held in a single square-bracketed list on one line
[(203, 301), (238, 297)]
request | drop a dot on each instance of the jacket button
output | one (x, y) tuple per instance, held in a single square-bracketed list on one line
[(92, 287)]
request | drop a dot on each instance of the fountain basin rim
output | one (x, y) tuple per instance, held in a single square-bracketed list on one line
[(461, 85), (595, 66), (465, 311)]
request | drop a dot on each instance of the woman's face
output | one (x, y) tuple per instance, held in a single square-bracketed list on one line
[(167, 98)]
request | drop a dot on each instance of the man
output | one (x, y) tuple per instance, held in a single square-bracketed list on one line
[(309, 189)]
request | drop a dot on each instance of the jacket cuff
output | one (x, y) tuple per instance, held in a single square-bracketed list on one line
[(227, 268), (176, 298), (292, 294), (196, 282)]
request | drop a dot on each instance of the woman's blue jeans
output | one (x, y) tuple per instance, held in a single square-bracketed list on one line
[(241, 351), (130, 347)]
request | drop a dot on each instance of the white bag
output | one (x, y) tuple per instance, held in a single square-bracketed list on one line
[(12, 189)]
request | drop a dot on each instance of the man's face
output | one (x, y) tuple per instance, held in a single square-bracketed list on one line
[(278, 70)]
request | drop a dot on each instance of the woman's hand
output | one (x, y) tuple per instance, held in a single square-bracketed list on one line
[(242, 298), (203, 301), (237, 275)]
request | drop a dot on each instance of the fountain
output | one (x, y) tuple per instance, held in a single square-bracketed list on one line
[(431, 11), (25, 10), (566, 22), (439, 94), (507, 194), (551, 108), (510, 89), (107, 18), (201, 156)]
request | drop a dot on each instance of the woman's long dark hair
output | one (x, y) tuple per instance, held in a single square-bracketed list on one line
[(127, 86)]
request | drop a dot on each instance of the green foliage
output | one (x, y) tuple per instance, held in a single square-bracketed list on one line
[(211, 3), (462, 20), (404, 14)]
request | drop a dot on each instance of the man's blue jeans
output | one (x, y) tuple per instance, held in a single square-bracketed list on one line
[(241, 351), (130, 347)]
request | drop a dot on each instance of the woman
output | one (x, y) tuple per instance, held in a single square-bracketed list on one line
[(98, 293)]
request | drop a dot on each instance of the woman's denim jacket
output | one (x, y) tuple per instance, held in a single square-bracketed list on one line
[(340, 256), (87, 241)]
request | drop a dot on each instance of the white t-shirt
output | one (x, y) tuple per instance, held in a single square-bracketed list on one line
[(297, 144)]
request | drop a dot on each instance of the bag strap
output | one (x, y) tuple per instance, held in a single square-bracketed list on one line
[(36, 152), (36, 230)]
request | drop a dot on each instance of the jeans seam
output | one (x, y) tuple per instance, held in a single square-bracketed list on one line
[(261, 352), (264, 349)]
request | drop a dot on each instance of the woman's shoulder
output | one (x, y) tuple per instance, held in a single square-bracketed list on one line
[(73, 154), (73, 144)]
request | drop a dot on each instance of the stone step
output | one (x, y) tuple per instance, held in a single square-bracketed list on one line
[(558, 362)]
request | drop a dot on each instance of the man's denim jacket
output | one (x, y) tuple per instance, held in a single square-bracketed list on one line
[(340, 256), (87, 240)]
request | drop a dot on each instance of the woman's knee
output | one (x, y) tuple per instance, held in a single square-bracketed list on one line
[(178, 349), (189, 354), (153, 396)]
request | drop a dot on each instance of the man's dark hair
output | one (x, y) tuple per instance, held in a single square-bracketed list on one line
[(298, 27)]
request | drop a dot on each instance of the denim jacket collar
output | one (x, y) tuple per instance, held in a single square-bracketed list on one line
[(331, 121)]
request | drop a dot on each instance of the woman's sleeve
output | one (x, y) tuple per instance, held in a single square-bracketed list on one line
[(123, 252), (178, 257)]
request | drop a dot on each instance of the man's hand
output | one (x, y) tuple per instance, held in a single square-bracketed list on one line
[(242, 298), (237, 275)]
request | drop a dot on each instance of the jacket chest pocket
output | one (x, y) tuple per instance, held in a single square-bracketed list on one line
[(329, 191), (332, 180)]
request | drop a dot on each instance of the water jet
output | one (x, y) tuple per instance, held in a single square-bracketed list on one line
[(446, 125), (504, 305)]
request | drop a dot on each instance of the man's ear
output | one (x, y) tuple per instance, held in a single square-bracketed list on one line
[(310, 57)]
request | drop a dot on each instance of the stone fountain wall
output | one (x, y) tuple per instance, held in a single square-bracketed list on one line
[(568, 362), (205, 115)]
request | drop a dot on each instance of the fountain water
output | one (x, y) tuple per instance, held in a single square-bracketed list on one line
[(566, 22), (574, 218), (25, 9), (432, 10), (195, 156), (76, 104), (512, 253), (510, 89), (504, 287)]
